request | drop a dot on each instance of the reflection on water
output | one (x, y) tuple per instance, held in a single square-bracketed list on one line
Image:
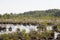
[(21, 27)]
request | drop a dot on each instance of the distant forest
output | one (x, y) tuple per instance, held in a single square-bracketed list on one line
[(31, 16)]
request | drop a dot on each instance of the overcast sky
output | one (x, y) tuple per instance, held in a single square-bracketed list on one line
[(19, 6)]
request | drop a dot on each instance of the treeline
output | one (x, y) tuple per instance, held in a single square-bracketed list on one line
[(31, 16), (50, 12)]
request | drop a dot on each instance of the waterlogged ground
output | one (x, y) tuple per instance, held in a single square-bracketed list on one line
[(21, 27)]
